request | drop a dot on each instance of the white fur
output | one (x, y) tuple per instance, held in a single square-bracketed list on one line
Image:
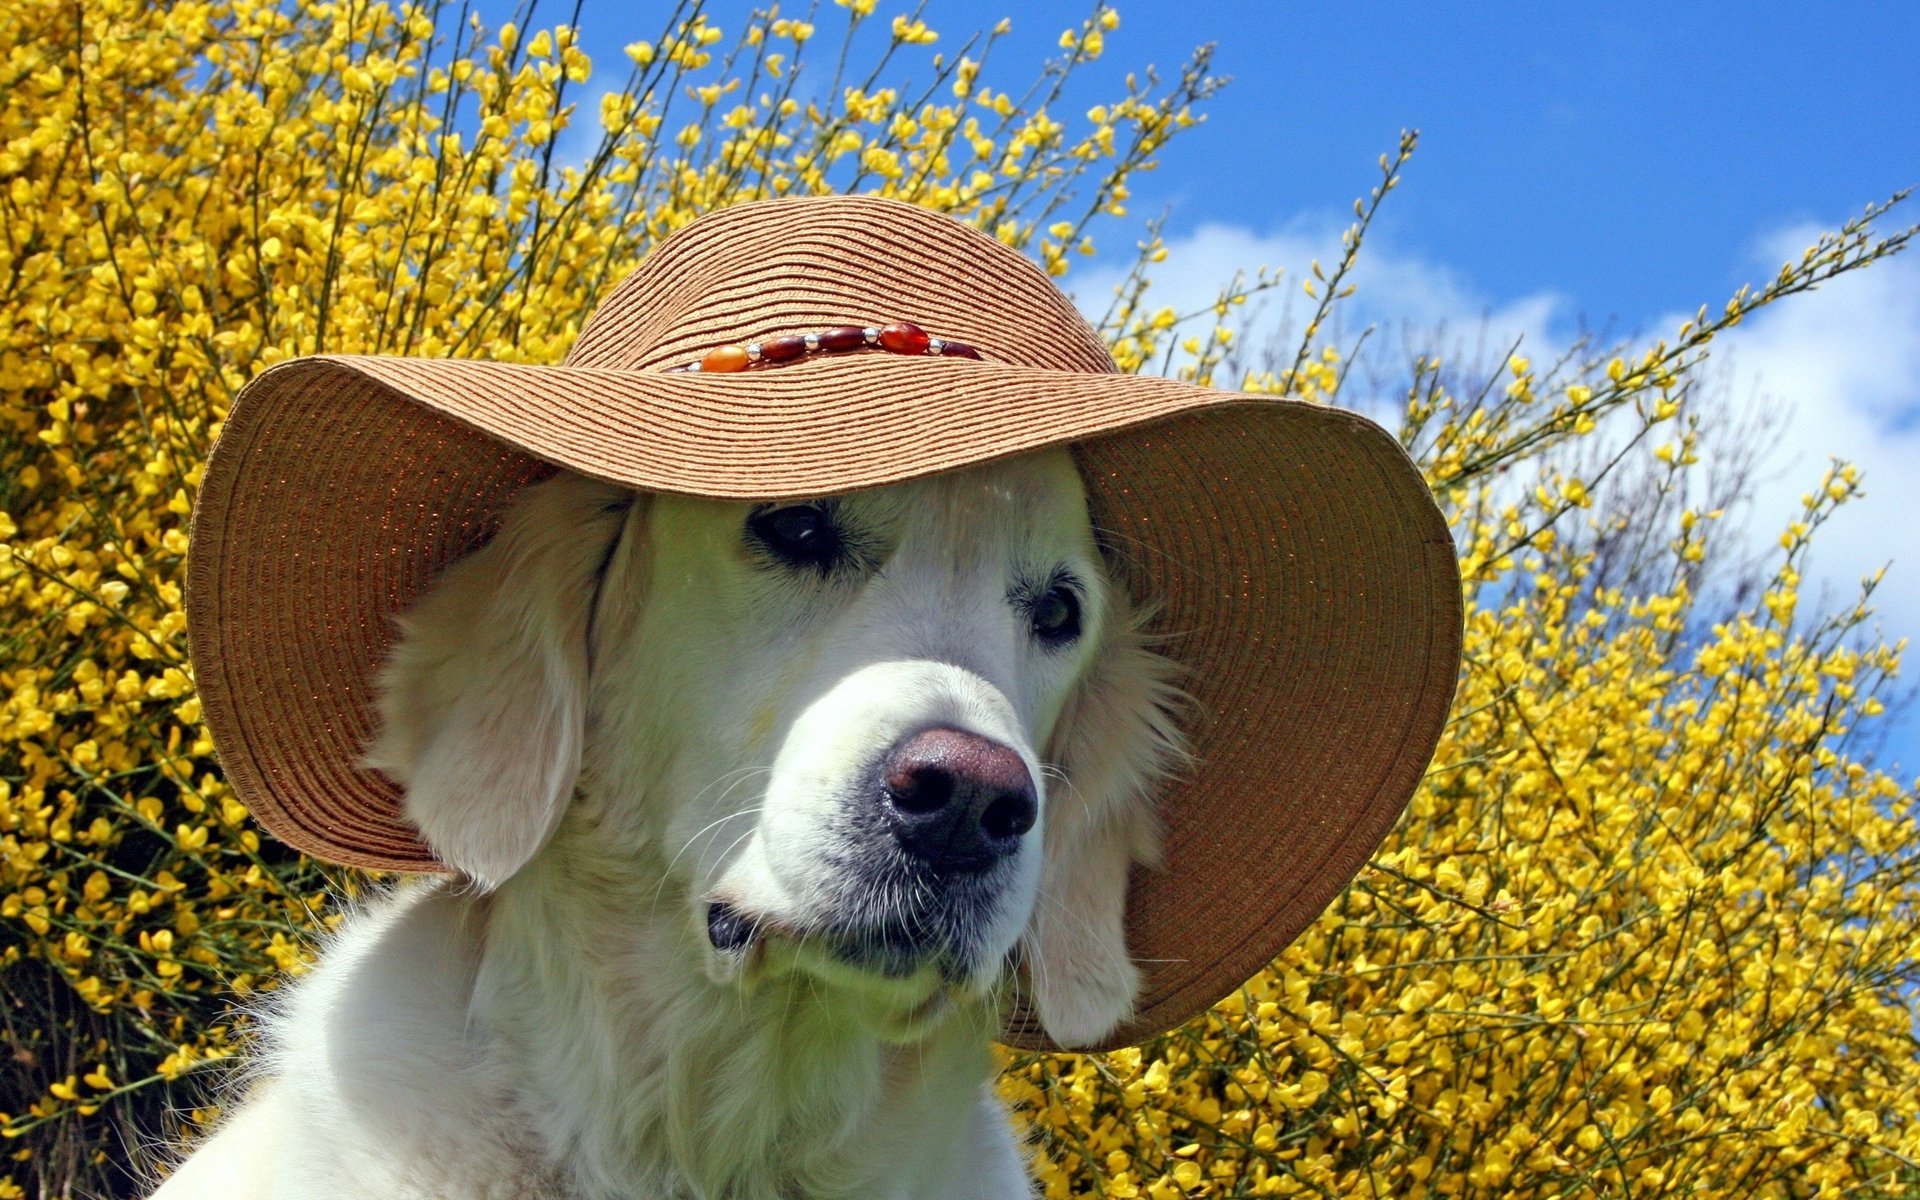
[(617, 714)]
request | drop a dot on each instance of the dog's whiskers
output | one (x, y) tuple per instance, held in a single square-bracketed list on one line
[(738, 777), (735, 842), (731, 778), (1109, 538)]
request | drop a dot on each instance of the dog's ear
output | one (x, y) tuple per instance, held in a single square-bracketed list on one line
[(483, 700), (1116, 744)]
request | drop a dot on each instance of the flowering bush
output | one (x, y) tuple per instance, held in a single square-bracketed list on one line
[(1649, 926)]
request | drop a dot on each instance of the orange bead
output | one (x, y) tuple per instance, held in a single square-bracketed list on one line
[(725, 358)]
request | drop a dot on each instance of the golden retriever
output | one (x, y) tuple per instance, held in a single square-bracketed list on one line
[(757, 814)]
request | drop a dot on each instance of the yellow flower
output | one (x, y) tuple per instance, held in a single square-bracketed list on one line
[(913, 32)]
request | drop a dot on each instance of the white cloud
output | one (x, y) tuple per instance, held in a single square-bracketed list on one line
[(1835, 372), (1396, 291)]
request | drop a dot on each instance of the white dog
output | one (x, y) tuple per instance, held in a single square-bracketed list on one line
[(756, 810)]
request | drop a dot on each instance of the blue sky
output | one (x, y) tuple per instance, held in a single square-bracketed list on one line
[(1615, 165), (1624, 155)]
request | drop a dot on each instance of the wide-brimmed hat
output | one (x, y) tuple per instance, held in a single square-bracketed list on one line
[(1296, 561)]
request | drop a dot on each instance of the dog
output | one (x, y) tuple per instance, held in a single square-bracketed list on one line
[(758, 817)]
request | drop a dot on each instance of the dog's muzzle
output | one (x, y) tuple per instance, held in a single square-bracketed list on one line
[(923, 871)]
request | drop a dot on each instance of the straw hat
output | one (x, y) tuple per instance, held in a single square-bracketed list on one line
[(1299, 565)]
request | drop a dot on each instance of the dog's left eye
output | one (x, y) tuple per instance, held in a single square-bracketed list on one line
[(799, 535), (1056, 615)]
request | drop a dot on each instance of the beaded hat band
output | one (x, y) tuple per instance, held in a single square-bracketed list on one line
[(1296, 563), (901, 337)]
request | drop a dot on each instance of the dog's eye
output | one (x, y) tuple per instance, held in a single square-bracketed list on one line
[(1056, 615), (799, 535)]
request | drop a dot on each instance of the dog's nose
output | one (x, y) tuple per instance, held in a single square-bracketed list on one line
[(956, 801)]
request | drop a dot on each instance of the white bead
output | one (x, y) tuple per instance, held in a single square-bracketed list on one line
[(693, 366), (753, 351), (872, 334), (936, 346), (812, 341)]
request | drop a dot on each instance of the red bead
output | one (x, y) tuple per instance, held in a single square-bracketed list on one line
[(843, 337), (904, 338), (780, 349), (959, 350)]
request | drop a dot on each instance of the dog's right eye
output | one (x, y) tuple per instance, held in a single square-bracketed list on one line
[(799, 535)]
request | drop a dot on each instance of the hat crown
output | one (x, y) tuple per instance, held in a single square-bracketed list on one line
[(801, 264)]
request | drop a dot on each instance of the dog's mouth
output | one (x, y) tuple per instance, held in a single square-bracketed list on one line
[(911, 942), (729, 930)]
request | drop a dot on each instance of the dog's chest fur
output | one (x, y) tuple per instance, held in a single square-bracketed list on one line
[(457, 1046)]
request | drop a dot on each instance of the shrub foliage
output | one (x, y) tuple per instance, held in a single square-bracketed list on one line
[(1649, 927)]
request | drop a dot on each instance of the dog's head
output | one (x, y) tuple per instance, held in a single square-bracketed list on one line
[(884, 738)]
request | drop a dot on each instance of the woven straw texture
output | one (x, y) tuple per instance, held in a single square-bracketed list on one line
[(1300, 568)]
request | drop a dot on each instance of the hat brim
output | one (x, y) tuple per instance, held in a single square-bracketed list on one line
[(1299, 567)]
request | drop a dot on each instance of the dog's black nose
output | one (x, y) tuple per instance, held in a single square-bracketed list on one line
[(956, 801)]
